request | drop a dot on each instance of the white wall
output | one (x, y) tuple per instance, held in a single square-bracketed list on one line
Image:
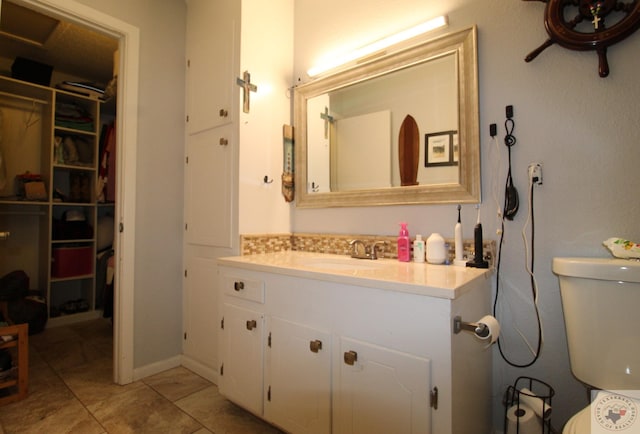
[(262, 208), (581, 127), (160, 164)]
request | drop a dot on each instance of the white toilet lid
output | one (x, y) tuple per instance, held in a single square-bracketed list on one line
[(580, 423)]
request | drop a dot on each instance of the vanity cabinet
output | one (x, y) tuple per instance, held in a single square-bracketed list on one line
[(242, 340), (298, 377), (242, 346), (343, 357), (378, 389)]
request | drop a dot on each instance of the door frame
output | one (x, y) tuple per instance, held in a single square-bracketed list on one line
[(126, 154)]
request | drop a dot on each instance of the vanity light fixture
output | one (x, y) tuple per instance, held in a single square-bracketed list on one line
[(340, 60)]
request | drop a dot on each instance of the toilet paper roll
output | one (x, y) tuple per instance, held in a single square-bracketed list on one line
[(523, 420), (535, 403), (494, 328)]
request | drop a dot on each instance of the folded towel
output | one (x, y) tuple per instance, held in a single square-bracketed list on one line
[(623, 249)]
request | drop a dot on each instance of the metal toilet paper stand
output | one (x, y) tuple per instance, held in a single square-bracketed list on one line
[(528, 394)]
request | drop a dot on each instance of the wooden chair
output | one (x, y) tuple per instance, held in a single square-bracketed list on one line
[(17, 383)]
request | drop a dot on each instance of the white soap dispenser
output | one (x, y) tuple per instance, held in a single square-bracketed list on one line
[(436, 252)]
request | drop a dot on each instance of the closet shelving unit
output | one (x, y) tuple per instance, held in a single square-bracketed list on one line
[(64, 265)]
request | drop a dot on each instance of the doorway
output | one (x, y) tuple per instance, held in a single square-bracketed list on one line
[(124, 207)]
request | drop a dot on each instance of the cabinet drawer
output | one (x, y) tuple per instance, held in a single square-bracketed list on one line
[(243, 287)]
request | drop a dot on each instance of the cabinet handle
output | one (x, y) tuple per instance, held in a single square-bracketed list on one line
[(223, 113), (238, 286), (315, 346), (350, 357), (223, 141), (251, 324)]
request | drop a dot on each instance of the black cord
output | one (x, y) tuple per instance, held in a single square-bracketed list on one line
[(533, 290), (511, 201), (510, 208)]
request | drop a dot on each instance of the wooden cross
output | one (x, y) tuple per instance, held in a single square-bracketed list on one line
[(328, 119), (247, 87), (596, 21)]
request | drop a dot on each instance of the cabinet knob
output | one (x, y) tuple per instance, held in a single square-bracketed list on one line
[(238, 286), (251, 324), (315, 346), (223, 113), (350, 357), (223, 141)]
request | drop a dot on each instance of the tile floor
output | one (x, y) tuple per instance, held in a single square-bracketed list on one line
[(71, 391)]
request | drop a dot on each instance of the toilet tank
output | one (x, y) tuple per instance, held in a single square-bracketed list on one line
[(601, 304)]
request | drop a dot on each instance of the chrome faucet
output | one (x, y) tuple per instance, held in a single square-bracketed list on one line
[(374, 248), (361, 251)]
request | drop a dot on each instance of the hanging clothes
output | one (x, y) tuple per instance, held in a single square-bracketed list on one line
[(105, 188), (3, 163)]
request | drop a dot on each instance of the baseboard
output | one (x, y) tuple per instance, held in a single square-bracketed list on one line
[(202, 370), (156, 367)]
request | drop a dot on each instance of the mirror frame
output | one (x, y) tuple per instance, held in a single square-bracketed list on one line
[(464, 45)]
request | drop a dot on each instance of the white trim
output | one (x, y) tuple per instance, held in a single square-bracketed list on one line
[(127, 133), (156, 367), (202, 370)]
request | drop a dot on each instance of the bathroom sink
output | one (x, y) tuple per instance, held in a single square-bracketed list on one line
[(340, 264)]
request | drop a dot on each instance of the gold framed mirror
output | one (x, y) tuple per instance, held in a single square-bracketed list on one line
[(361, 105)]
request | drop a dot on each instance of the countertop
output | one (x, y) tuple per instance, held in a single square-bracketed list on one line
[(443, 281)]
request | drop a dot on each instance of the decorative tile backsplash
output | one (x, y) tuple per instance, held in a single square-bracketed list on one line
[(339, 244), (253, 244)]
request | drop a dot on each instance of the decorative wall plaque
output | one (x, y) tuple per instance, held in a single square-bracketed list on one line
[(588, 25)]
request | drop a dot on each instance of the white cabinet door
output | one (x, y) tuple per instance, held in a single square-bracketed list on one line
[(212, 35), (379, 390), (201, 305), (241, 378), (208, 188), (298, 377)]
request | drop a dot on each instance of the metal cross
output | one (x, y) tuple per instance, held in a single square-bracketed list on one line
[(328, 119), (596, 21), (247, 87)]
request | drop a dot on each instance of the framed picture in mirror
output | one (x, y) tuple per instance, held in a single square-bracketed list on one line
[(440, 149)]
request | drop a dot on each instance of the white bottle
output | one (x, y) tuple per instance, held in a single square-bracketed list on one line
[(436, 252), (418, 249)]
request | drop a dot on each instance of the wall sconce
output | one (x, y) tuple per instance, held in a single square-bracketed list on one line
[(340, 60)]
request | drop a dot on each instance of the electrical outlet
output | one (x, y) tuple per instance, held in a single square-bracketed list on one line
[(535, 173)]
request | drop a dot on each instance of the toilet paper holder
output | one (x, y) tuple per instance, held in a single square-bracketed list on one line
[(479, 329), (528, 395)]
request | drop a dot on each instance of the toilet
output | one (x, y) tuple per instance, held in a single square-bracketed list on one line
[(601, 304)]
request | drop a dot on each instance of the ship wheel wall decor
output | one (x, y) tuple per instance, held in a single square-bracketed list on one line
[(588, 25)]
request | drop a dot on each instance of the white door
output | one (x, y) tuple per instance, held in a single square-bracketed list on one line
[(379, 390), (241, 376), (201, 322), (208, 189), (210, 42), (298, 377)]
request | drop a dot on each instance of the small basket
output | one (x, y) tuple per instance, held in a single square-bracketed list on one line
[(528, 394)]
